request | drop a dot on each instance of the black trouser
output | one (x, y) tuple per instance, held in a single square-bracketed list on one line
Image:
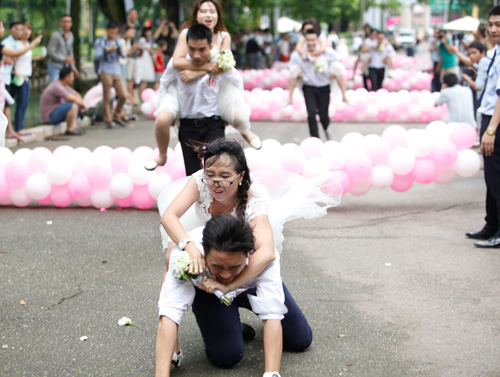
[(436, 82), (376, 77), (317, 101), (492, 180), (202, 130)]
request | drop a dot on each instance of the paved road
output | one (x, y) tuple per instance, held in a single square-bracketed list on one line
[(388, 281)]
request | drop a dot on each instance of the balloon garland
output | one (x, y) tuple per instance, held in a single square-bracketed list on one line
[(106, 177)]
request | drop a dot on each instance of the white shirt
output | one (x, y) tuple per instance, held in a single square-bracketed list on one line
[(177, 295), (460, 104), (23, 63), (310, 76), (490, 96), (198, 97), (377, 56)]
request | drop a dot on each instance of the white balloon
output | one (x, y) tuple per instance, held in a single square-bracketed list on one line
[(468, 163), (419, 142), (19, 197), (121, 186), (138, 175), (83, 202), (81, 159), (59, 171), (353, 141), (38, 186), (315, 166), (401, 160), (147, 108), (103, 152), (382, 177), (22, 154), (158, 183), (101, 198), (5, 155)]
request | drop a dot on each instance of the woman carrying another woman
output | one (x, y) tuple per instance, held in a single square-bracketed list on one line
[(231, 105)]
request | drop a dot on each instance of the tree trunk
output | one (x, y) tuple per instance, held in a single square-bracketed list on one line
[(113, 10), (172, 8)]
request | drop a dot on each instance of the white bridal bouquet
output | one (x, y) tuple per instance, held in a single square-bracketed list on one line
[(225, 60), (181, 261), (319, 66)]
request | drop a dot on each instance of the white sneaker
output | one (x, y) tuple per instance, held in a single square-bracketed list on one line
[(329, 133)]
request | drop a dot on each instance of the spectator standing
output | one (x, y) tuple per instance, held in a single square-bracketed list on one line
[(23, 70), (251, 49), (268, 47), (333, 38), (60, 49), (284, 47), (436, 57), (107, 50), (132, 22), (479, 58), (159, 62), (448, 60), (145, 60), (490, 142), (8, 52), (168, 33), (129, 49), (59, 102), (459, 100), (261, 45)]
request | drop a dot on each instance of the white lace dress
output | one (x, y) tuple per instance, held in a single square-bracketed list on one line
[(230, 103), (281, 195)]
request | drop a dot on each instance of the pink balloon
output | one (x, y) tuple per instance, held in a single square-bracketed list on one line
[(445, 174), (393, 113), (100, 173), (4, 186), (345, 182), (292, 158), (147, 94), (359, 167), (60, 196), (17, 172), (383, 115), (359, 188), (125, 202), (45, 201), (463, 135), (312, 147), (395, 135), (38, 159), (79, 186), (402, 183), (349, 112), (444, 153), (120, 159), (377, 149), (425, 171), (141, 197)]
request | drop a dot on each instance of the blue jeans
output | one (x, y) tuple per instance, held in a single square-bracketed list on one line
[(53, 72), (59, 114), (22, 104), (220, 327)]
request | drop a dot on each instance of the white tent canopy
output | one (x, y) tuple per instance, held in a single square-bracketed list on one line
[(286, 25), (466, 23)]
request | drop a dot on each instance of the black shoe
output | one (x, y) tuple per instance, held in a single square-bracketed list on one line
[(492, 243), (109, 125), (121, 122), (481, 235), (248, 332)]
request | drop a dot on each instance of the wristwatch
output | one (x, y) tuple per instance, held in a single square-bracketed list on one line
[(184, 242), (490, 131)]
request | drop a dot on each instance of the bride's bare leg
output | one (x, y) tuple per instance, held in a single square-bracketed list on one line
[(162, 134), (242, 124), (292, 84)]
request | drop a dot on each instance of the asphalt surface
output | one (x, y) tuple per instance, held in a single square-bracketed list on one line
[(388, 282)]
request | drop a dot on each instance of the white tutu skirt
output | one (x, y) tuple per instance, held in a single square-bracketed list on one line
[(337, 69), (230, 104), (290, 196)]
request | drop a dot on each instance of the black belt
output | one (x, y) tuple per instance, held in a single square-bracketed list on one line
[(200, 122), (315, 87)]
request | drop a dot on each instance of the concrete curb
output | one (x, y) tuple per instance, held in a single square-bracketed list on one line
[(44, 132)]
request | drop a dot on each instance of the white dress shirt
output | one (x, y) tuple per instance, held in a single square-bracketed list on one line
[(198, 97), (490, 96), (376, 56), (310, 76), (177, 295)]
